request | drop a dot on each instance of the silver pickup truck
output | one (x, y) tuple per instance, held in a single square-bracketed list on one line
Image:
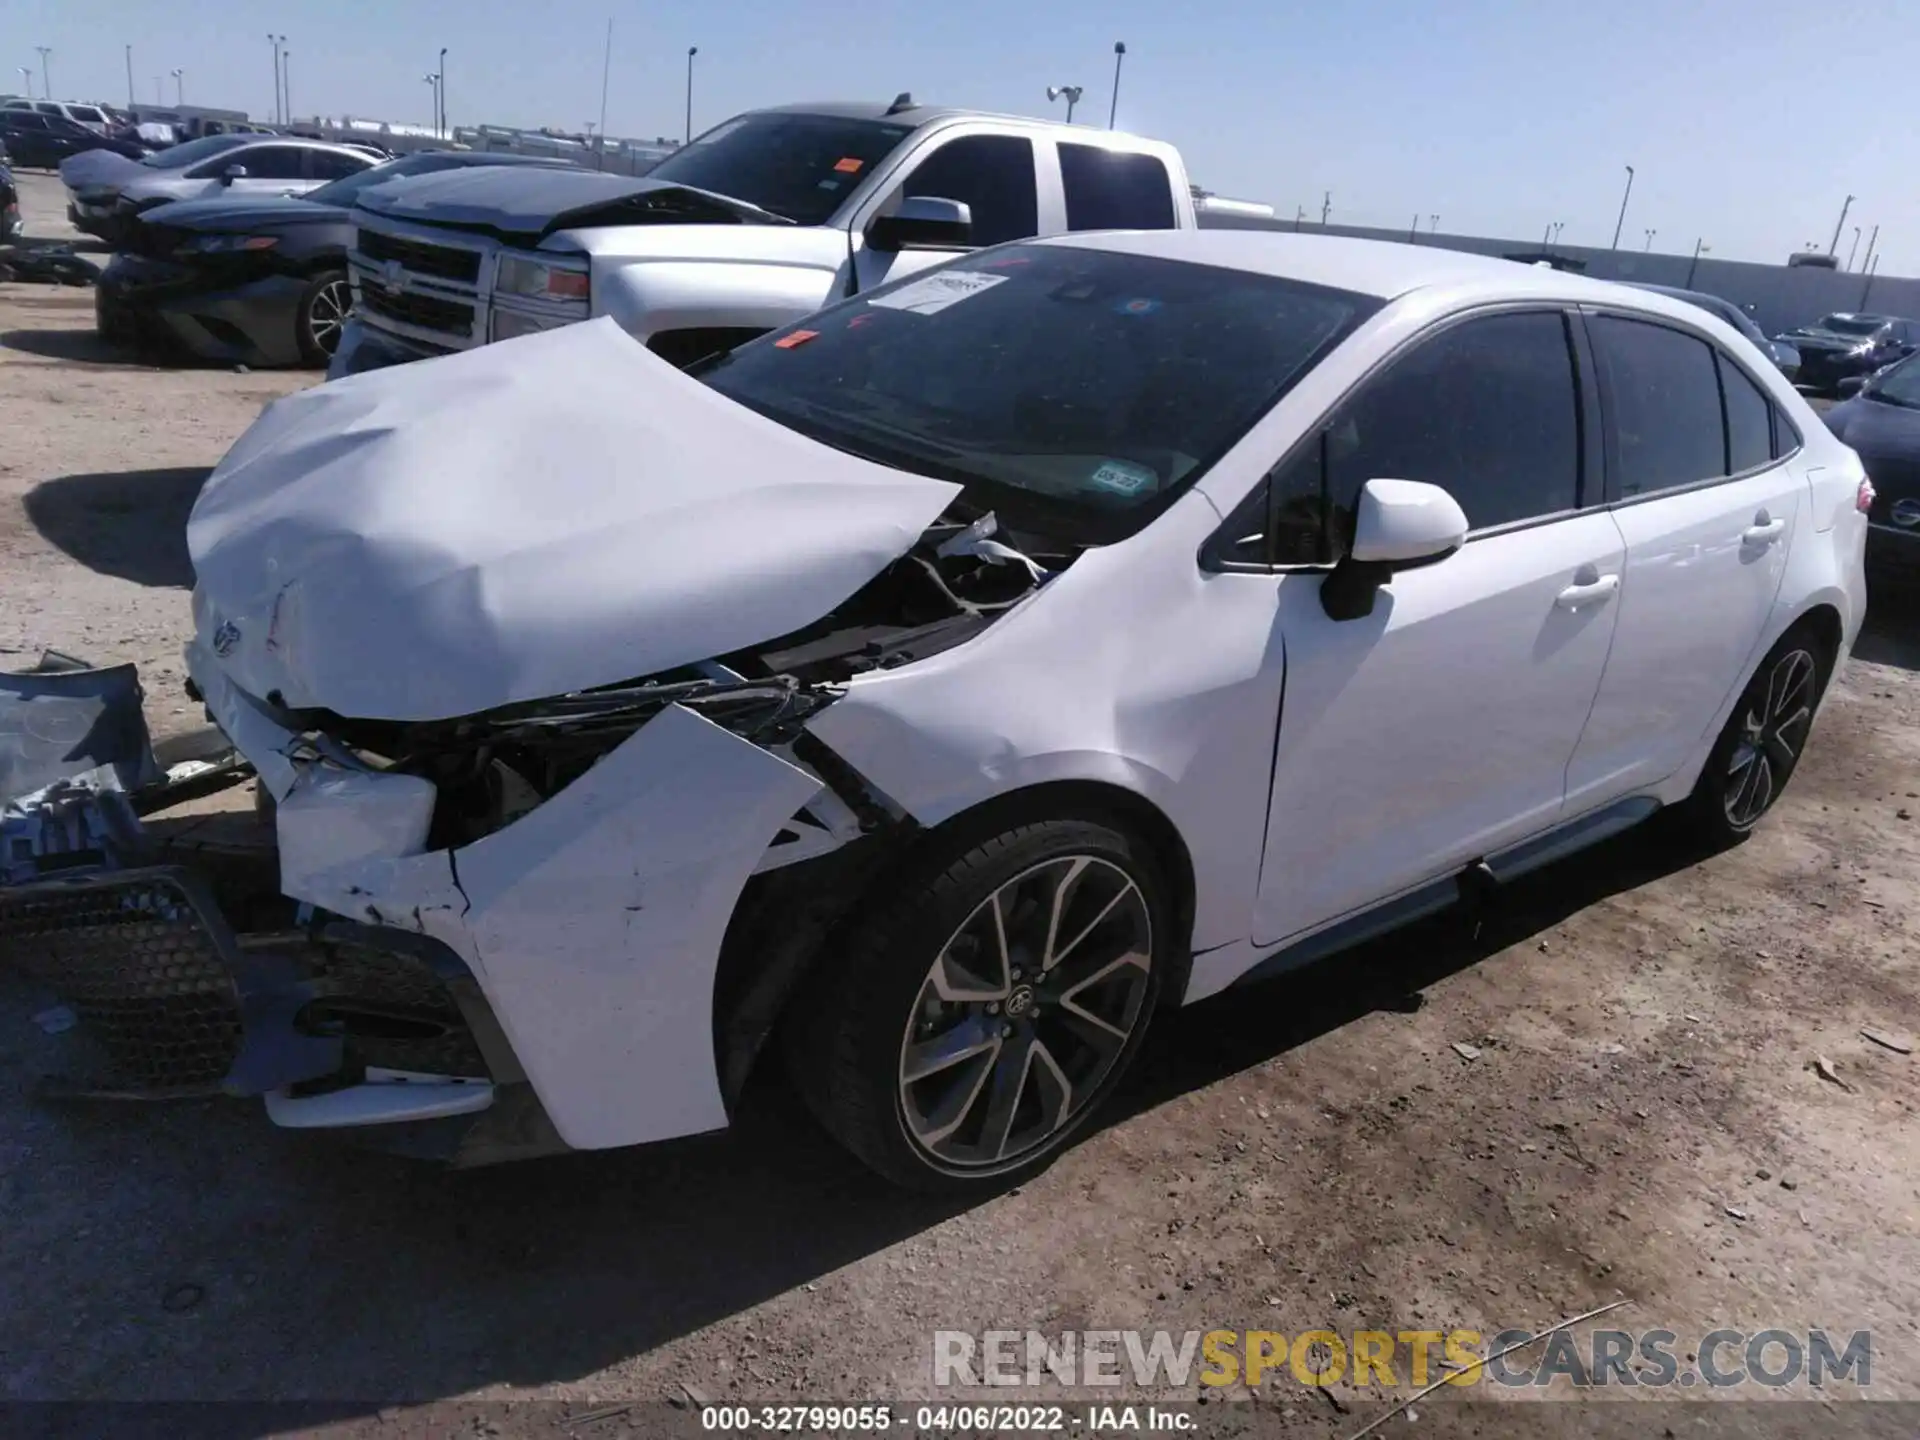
[(759, 221)]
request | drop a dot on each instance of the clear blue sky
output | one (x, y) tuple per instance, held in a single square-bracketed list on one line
[(1498, 115)]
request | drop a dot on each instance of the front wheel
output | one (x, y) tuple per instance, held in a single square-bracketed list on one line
[(970, 1029), (1764, 737), (322, 316)]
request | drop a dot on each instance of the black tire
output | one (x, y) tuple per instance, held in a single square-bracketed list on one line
[(1763, 740), (870, 1017), (322, 314)]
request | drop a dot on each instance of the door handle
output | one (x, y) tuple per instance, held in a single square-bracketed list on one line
[(1764, 530), (1590, 592)]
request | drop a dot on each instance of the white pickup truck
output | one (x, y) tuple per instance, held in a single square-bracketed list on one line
[(759, 221)]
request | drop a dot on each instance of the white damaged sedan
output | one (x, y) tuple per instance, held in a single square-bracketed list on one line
[(950, 682)]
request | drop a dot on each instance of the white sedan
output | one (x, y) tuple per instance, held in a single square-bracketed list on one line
[(949, 683)]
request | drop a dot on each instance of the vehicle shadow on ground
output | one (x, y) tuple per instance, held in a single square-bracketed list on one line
[(69, 345), (131, 524), (550, 1271)]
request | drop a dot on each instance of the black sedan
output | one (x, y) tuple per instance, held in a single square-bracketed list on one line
[(1783, 355), (1882, 423), (1844, 345), (257, 281), (41, 142)]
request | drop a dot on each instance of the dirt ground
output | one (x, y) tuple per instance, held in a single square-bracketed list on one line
[(1644, 1118)]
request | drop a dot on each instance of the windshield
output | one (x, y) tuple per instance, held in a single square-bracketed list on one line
[(1897, 385), (178, 157), (798, 166), (1852, 324), (1080, 390), (342, 191)]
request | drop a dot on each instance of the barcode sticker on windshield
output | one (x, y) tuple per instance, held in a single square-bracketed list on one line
[(933, 293)]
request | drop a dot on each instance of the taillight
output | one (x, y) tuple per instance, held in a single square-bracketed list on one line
[(1863, 497)]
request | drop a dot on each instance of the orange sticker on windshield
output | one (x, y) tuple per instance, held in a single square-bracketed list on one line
[(795, 340), (848, 165)]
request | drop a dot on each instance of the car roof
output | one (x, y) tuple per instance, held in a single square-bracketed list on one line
[(913, 116), (1367, 267), (300, 144)]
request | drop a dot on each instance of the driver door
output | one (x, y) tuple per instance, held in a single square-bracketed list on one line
[(1438, 729), (993, 175)]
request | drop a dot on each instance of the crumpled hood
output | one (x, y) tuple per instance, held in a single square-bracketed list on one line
[(523, 206), (522, 520)]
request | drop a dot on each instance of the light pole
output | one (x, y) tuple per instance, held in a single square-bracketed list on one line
[(440, 98), (1413, 230), (434, 80), (1854, 249), (45, 83), (129, 77), (1872, 241), (1433, 224), (1700, 247), (1119, 54), (1299, 214), (276, 41), (1650, 235), (606, 70), (179, 88), (1623, 210), (286, 81), (1867, 289), (26, 74), (1840, 222), (1326, 208), (692, 50), (1072, 92)]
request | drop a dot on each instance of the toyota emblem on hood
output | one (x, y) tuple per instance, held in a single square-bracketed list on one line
[(225, 638)]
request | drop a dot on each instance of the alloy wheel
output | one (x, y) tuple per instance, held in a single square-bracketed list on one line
[(1025, 1012), (327, 315), (1773, 732)]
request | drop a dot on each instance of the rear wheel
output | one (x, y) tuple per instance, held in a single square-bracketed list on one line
[(970, 1029), (322, 316), (1764, 738)]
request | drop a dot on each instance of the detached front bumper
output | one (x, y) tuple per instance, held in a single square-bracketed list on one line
[(549, 986)]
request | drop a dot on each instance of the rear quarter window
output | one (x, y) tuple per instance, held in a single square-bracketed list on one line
[(1115, 190)]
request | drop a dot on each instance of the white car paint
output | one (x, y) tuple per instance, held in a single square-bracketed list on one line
[(1451, 724)]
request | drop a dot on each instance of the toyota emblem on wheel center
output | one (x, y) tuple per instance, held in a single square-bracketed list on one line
[(1907, 513)]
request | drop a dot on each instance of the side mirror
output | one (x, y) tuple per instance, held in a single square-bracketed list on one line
[(923, 222), (233, 173), (1398, 524), (1851, 386)]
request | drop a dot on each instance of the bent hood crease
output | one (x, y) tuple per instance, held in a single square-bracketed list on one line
[(522, 520)]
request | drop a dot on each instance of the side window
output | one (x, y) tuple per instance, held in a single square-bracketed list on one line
[(1749, 420), (269, 162), (993, 175), (30, 122), (326, 165), (1786, 439), (1114, 190), (1665, 404), (45, 109)]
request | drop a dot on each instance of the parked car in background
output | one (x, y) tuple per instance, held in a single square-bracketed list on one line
[(1882, 423), (11, 225), (1783, 355), (1843, 345), (953, 720), (93, 117), (94, 180), (43, 142), (240, 166), (760, 220), (255, 280)]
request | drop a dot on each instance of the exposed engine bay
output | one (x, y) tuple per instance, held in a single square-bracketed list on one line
[(491, 768)]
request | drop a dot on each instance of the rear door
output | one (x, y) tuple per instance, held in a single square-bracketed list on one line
[(1115, 189), (1708, 503)]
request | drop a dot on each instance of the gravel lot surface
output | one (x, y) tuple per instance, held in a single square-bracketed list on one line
[(1643, 1119)]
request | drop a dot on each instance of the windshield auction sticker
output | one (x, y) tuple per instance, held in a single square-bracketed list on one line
[(931, 294)]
